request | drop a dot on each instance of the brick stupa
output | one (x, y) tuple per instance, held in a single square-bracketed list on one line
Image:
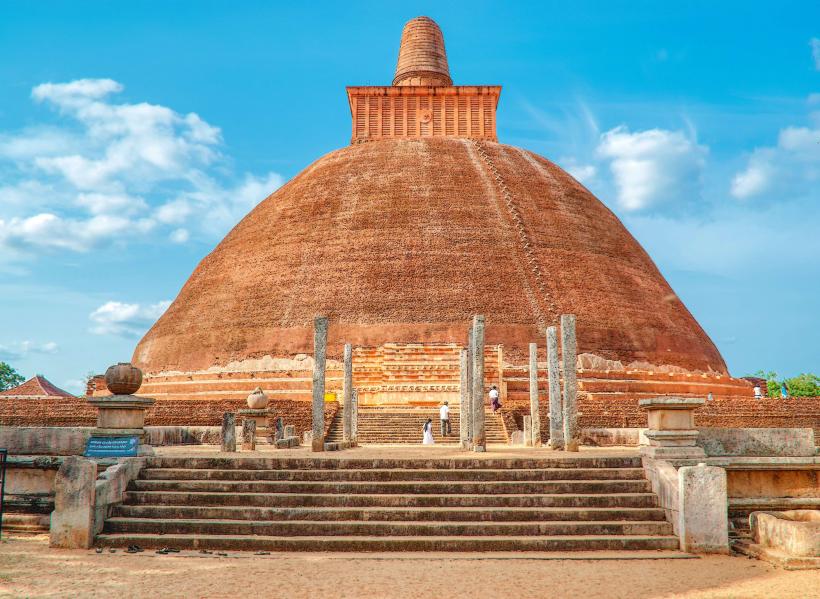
[(400, 237)]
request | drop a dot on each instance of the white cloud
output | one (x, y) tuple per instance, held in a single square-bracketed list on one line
[(110, 166), (21, 349), (793, 164), (125, 320), (653, 167), (815, 52)]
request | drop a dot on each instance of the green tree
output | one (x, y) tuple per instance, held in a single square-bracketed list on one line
[(9, 377), (802, 385)]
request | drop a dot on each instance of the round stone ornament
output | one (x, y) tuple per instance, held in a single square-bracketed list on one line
[(257, 400), (123, 378)]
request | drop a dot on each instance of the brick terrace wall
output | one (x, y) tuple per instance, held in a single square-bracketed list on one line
[(733, 412), (78, 412)]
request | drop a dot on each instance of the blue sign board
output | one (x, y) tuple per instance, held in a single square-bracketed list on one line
[(111, 447)]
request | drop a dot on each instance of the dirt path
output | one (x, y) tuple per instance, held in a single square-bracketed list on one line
[(28, 568)]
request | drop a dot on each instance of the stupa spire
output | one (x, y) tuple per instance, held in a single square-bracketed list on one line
[(422, 57)]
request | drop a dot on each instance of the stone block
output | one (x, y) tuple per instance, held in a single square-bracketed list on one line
[(757, 442), (287, 443), (35, 440), (72, 521), (517, 438), (290, 431), (795, 532), (703, 511), (671, 413)]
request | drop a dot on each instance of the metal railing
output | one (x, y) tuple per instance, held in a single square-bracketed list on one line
[(3, 456)]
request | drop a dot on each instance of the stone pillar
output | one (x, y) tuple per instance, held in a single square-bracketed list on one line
[(470, 384), (528, 431), (354, 417), (228, 432), (249, 434), (568, 356), (671, 427), (479, 440), (534, 404), (703, 512), (347, 393), (556, 408), (72, 521), (464, 398), (319, 351)]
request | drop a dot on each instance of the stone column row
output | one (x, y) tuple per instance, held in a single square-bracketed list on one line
[(563, 411)]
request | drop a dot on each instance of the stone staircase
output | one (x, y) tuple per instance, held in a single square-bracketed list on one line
[(324, 504), (378, 425)]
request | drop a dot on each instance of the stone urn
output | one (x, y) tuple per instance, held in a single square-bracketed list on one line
[(123, 378), (257, 400)]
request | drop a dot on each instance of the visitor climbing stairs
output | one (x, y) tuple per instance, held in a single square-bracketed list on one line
[(390, 504), (390, 425)]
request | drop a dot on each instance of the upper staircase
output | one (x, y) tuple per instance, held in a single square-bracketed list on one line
[(376, 504), (396, 424)]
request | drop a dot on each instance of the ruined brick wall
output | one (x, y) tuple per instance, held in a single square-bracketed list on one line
[(78, 412), (733, 412)]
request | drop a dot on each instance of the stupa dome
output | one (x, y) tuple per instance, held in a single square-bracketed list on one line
[(408, 232)]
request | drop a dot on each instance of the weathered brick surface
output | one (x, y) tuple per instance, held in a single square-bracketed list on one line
[(730, 412), (409, 263), (78, 412)]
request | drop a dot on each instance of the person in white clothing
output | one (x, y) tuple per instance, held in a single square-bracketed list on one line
[(444, 416), (494, 399), (428, 432)]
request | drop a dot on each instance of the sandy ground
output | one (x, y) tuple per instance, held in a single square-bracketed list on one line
[(28, 568)]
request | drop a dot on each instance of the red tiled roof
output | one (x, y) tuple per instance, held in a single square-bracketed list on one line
[(37, 386)]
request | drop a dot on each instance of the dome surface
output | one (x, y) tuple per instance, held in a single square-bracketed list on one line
[(403, 240)]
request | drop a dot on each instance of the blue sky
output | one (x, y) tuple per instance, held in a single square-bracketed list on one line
[(134, 135)]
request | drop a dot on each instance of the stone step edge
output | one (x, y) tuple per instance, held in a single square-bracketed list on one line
[(390, 495), (403, 523), (393, 543)]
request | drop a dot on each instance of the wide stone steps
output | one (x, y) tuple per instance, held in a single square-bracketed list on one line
[(391, 504), (392, 543)]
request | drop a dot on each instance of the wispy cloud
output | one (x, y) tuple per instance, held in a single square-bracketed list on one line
[(109, 168), (815, 51), (126, 320), (22, 349), (791, 167)]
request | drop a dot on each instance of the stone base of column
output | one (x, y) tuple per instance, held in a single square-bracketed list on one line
[(317, 443), (479, 448), (123, 416), (263, 431), (675, 444)]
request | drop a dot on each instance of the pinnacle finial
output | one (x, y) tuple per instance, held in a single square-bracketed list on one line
[(422, 57)]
